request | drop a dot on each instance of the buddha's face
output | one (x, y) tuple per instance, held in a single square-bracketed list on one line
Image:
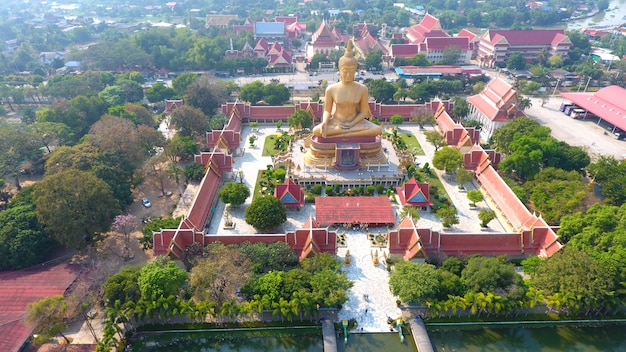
[(347, 73)]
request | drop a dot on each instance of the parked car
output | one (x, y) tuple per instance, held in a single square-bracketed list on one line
[(620, 135), (146, 203)]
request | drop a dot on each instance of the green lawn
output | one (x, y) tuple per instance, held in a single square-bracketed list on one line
[(269, 145), (412, 144)]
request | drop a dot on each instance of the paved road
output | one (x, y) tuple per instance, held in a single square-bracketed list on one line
[(586, 133)]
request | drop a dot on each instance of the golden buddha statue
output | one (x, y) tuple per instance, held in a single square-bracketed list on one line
[(349, 100)]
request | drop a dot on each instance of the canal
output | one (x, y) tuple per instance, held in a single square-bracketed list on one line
[(537, 339)]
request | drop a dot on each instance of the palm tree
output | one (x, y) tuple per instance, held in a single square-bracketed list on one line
[(175, 171), (534, 297), (456, 302), (524, 103), (296, 306), (555, 302), (471, 302)]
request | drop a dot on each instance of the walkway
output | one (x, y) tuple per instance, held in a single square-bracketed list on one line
[(420, 335), (370, 313), (330, 339), (468, 218)]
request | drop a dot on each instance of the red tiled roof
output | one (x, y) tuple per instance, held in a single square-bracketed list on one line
[(428, 27), (404, 50), (468, 34), (412, 190), (18, 289), (608, 103), (365, 210), (323, 36), (497, 101), (526, 37), (290, 193)]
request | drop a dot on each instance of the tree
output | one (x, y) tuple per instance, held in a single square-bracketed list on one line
[(23, 240), (474, 196), (373, 60), (252, 92), (217, 277), (574, 272), (396, 120), (448, 216), (436, 139), (611, 175), (489, 274), (181, 147), (414, 282), (159, 92), (193, 172), (75, 206), (276, 93), (205, 95), (555, 61), (125, 224), (110, 166), (155, 225), (267, 257), (117, 134), (516, 62), (463, 176), (461, 108), (50, 316), (19, 150), (160, 278), (234, 193), (449, 159), (525, 103), (503, 136), (217, 122), (451, 55), (182, 81), (52, 133), (300, 119), (122, 287), (485, 216), (266, 213), (149, 140), (190, 121), (381, 90)]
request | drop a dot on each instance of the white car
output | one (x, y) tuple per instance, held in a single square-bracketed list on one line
[(146, 203)]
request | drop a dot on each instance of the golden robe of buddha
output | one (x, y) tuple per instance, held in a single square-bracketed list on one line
[(346, 105)]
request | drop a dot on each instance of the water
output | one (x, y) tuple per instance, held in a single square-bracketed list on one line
[(376, 342), (613, 17), (190, 341), (539, 339)]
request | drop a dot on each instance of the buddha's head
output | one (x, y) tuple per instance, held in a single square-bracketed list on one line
[(348, 65)]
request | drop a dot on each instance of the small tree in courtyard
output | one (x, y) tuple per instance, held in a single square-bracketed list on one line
[(266, 213), (234, 193), (474, 196), (485, 216), (462, 177), (448, 216), (300, 119), (448, 159), (435, 139), (396, 120)]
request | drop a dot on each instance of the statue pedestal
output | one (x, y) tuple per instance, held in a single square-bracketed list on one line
[(344, 153)]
